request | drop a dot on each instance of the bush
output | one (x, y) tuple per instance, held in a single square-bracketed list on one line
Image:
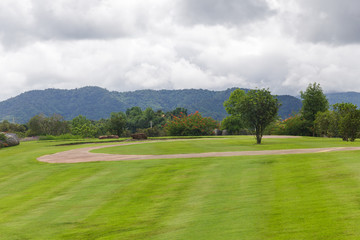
[(2, 137), (152, 132), (126, 133), (61, 137), (233, 124), (2, 140), (190, 125), (294, 125)]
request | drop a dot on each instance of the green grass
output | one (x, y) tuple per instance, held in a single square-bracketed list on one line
[(240, 143), (305, 196)]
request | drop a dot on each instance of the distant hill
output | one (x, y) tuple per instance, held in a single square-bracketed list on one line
[(96, 103), (346, 97)]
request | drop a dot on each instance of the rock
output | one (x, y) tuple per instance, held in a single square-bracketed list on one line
[(109, 137), (10, 140), (217, 132), (139, 136)]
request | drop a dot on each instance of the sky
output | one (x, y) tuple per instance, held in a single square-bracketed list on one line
[(283, 45)]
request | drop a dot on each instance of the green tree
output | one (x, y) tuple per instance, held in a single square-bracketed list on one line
[(326, 124), (191, 125), (177, 112), (57, 125), (348, 120), (117, 123), (37, 125), (233, 124), (82, 126), (313, 101), (257, 109), (295, 125), (134, 120), (42, 125)]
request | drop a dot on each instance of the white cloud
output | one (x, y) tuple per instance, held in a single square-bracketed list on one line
[(126, 45)]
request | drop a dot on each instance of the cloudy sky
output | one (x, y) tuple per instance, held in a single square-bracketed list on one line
[(123, 45)]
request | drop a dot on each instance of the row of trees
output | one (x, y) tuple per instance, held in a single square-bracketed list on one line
[(318, 118), (255, 112), (153, 123), (343, 121)]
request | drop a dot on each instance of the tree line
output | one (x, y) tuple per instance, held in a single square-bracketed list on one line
[(152, 123), (252, 112)]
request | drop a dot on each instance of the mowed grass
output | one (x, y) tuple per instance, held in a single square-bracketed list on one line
[(305, 196), (224, 144)]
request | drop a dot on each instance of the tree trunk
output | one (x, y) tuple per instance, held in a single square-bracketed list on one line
[(258, 135), (258, 139)]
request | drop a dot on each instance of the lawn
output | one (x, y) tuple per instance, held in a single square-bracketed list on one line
[(305, 196), (228, 144)]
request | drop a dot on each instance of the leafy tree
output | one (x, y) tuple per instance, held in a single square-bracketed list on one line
[(313, 101), (296, 125), (258, 108), (102, 127), (138, 119), (57, 125), (6, 126), (349, 120), (233, 124), (42, 125), (190, 125), (37, 125), (134, 120), (233, 104), (117, 123), (82, 126), (326, 124), (177, 112)]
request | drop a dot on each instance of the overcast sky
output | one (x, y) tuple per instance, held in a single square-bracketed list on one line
[(123, 45)]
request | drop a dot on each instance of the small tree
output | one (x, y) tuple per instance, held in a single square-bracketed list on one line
[(258, 108)]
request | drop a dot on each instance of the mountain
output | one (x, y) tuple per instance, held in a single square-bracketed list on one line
[(346, 97), (96, 103)]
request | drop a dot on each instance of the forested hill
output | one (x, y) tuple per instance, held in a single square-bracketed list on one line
[(350, 97), (96, 103)]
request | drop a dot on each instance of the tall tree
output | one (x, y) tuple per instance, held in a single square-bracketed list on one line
[(349, 120), (258, 108), (117, 123), (313, 101)]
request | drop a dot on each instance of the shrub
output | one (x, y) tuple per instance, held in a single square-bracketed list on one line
[(233, 124), (151, 132), (61, 137), (2, 140), (190, 125), (2, 137), (295, 125)]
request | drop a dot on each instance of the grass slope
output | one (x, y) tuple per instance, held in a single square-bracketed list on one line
[(308, 196)]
